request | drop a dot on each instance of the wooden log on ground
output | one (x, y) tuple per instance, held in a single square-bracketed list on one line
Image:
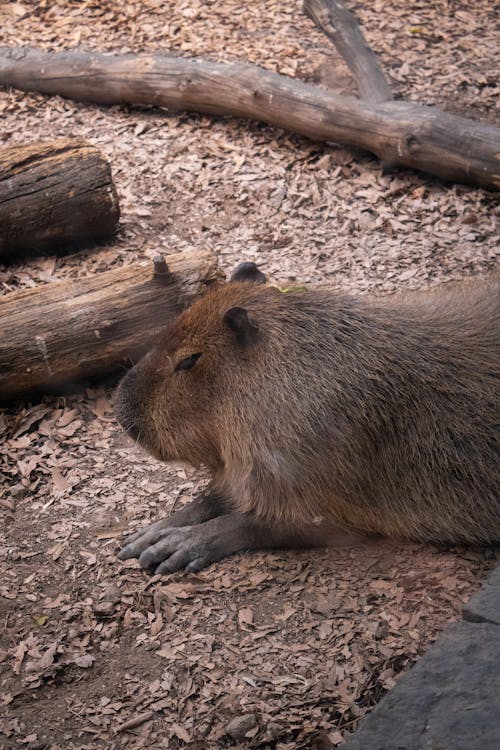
[(56, 195), (399, 133), (68, 331)]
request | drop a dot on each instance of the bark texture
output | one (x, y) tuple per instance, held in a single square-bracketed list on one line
[(71, 330), (400, 133), (54, 195)]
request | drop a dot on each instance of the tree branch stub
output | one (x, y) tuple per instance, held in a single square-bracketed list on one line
[(341, 26), (161, 270)]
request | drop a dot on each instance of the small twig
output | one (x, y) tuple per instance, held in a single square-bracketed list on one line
[(341, 26), (136, 721)]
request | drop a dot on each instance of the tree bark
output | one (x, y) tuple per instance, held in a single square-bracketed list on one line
[(67, 331), (54, 195), (400, 133)]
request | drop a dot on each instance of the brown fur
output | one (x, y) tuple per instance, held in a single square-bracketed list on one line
[(381, 415)]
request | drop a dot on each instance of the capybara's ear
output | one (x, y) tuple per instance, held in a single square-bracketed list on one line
[(248, 272), (237, 320)]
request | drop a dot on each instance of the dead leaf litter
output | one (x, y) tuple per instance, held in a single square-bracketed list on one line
[(282, 650)]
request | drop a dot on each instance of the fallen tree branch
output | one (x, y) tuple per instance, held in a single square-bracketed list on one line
[(341, 26), (68, 331), (400, 133), (58, 195)]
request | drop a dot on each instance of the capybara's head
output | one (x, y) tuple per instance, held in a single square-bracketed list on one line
[(170, 401)]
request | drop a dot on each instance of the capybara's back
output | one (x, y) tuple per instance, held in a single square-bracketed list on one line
[(382, 415), (413, 418)]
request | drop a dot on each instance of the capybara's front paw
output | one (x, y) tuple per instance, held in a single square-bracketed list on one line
[(167, 550)]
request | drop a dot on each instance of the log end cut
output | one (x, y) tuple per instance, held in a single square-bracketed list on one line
[(58, 195)]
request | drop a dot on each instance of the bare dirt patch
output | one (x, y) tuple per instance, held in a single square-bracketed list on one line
[(94, 653)]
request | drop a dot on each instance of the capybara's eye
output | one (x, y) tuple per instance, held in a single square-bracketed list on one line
[(188, 362)]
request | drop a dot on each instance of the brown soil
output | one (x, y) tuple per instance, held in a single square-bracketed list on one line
[(307, 642)]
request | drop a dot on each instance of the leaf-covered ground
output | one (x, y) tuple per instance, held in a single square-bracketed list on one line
[(93, 652)]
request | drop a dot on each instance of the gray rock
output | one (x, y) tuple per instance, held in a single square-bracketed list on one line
[(274, 729), (103, 609), (112, 594), (485, 605), (450, 700), (240, 725)]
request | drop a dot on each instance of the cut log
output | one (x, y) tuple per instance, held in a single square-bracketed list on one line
[(54, 195), (68, 331), (399, 133)]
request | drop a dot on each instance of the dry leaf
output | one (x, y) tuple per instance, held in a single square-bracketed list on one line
[(84, 660), (245, 616), (181, 733)]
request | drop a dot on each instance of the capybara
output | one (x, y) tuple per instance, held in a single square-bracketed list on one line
[(321, 416)]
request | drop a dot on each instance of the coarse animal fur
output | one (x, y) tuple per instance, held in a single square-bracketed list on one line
[(379, 414)]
